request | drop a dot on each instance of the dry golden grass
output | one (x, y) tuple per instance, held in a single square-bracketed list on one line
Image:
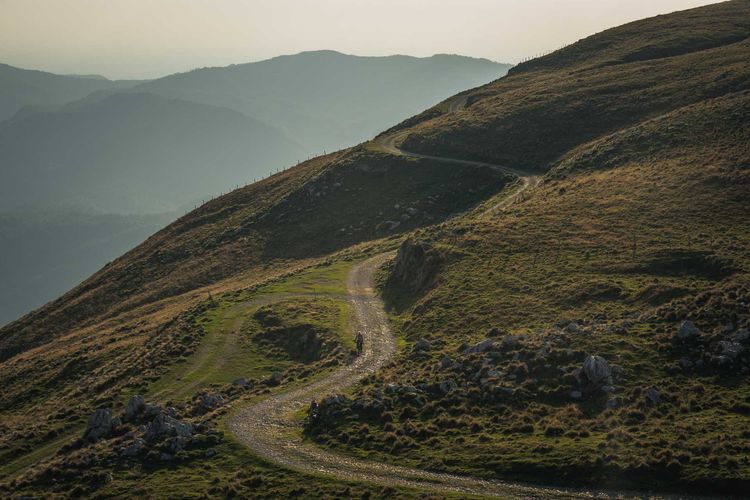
[(642, 131)]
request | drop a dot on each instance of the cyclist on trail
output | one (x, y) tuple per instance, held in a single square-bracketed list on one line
[(360, 343)]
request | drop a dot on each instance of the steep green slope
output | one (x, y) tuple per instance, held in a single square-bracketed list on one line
[(611, 80), (543, 342), (126, 325), (607, 262), (640, 224)]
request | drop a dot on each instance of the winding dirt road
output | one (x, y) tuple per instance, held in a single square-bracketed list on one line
[(267, 427), (271, 430), (390, 143)]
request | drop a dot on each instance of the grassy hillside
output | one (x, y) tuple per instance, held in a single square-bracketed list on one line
[(611, 80), (544, 342), (127, 324), (322, 205), (632, 235)]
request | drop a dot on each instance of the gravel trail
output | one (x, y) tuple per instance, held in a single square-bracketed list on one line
[(265, 426), (269, 428)]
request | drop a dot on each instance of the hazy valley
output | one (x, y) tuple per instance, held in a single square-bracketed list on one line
[(536, 287)]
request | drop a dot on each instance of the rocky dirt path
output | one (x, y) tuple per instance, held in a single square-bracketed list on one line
[(390, 143), (270, 427)]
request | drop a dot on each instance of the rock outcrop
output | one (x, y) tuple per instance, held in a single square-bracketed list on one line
[(164, 425), (688, 331), (417, 265), (597, 371), (136, 405), (100, 425), (483, 346), (595, 376), (206, 402)]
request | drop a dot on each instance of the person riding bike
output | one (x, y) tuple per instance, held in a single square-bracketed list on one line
[(360, 343)]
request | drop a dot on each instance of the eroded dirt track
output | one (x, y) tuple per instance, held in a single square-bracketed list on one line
[(270, 428), (390, 143)]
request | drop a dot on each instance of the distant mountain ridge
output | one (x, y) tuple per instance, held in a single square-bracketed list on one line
[(23, 87), (323, 99), (134, 153), (95, 146)]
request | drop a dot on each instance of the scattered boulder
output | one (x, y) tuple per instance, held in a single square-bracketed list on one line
[(483, 346), (241, 382), (614, 402), (652, 396), (334, 400), (165, 426), (207, 402), (741, 336), (422, 345), (448, 386), (136, 405), (597, 371), (151, 411), (688, 331), (417, 264), (330, 407), (512, 341), (545, 349), (134, 448), (576, 394), (505, 391), (409, 389), (177, 443), (100, 424), (275, 378), (730, 349), (446, 362), (573, 327)]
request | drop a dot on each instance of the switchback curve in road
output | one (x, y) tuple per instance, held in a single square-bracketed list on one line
[(268, 427), (390, 143)]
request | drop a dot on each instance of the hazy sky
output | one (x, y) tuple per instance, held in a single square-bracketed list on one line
[(149, 38)]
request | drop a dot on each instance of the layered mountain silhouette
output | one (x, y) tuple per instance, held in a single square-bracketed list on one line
[(88, 145), (131, 153), (325, 99), (22, 88)]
